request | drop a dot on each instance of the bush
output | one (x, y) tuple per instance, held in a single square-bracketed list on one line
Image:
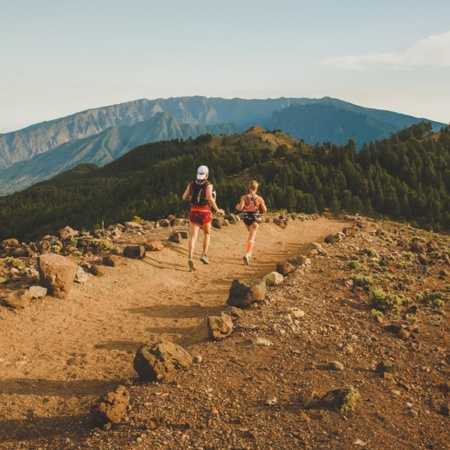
[(362, 281), (13, 262), (383, 301)]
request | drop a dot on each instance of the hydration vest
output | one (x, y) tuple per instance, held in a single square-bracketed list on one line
[(251, 206), (198, 193)]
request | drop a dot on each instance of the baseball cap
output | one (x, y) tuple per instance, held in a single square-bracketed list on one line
[(202, 171)]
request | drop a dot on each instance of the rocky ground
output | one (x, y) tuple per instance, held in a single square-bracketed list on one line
[(350, 350)]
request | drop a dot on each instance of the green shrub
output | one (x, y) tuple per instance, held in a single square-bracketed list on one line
[(349, 403), (362, 281), (370, 252), (384, 301), (436, 299), (10, 262)]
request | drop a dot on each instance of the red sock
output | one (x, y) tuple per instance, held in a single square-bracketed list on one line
[(250, 246)]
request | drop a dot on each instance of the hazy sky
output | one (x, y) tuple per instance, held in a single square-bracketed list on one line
[(59, 57)]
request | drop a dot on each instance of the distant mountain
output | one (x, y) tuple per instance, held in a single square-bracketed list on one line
[(336, 123), (101, 149), (42, 137), (100, 135)]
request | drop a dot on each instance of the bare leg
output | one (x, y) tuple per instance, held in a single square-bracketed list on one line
[(206, 237), (252, 230), (193, 233)]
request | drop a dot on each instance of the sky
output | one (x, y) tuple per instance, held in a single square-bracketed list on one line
[(60, 57)]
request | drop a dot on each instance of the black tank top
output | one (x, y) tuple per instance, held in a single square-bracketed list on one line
[(198, 196)]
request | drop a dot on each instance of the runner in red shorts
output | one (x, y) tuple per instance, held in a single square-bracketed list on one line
[(200, 193)]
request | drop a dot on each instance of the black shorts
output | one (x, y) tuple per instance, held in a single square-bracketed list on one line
[(250, 218)]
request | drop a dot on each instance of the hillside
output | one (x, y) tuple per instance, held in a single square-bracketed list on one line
[(333, 122), (405, 177), (378, 293), (100, 135), (101, 149)]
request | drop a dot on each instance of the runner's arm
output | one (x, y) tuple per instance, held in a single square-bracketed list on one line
[(241, 204), (187, 193), (212, 202), (262, 204)]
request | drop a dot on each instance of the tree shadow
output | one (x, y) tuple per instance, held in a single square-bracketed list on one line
[(53, 431), (64, 389), (176, 311)]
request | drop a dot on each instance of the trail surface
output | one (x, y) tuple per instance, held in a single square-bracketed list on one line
[(94, 332)]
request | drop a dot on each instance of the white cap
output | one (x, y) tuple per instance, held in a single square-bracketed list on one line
[(202, 171)]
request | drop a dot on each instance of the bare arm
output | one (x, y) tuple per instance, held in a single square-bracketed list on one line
[(262, 204), (241, 204), (212, 202), (187, 193)]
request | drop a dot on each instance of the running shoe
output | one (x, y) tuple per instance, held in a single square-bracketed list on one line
[(247, 260), (191, 265), (204, 259)]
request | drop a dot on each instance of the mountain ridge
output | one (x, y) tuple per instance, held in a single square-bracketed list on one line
[(334, 121)]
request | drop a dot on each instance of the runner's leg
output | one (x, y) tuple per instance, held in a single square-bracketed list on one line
[(253, 228), (206, 237), (193, 233)]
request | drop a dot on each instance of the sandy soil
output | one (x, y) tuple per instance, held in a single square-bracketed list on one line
[(58, 356)]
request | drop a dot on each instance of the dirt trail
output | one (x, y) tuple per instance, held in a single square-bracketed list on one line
[(94, 332)]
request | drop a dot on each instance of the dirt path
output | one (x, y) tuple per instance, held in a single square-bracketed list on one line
[(94, 333)]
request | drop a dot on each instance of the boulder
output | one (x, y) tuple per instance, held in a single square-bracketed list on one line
[(160, 361), (110, 409), (17, 299), (155, 245), (134, 251), (219, 327), (273, 278), (285, 267), (37, 292), (67, 233), (112, 260), (176, 237), (243, 294), (56, 273), (281, 222)]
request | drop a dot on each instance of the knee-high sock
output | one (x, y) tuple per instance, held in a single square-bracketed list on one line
[(250, 245)]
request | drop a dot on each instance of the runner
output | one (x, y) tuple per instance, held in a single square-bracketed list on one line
[(200, 193), (251, 204)]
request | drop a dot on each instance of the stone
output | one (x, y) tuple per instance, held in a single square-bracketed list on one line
[(160, 361), (285, 267), (219, 327), (17, 299), (176, 237), (112, 260), (154, 245), (386, 367), (56, 273), (112, 408), (273, 278), (243, 294), (281, 222), (134, 251), (37, 292)]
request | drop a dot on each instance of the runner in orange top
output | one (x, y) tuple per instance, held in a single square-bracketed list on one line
[(250, 205), (200, 193)]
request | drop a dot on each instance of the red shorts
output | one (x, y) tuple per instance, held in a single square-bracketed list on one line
[(200, 217)]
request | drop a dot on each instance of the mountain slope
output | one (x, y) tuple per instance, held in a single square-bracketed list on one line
[(329, 122), (98, 135), (100, 149), (42, 137)]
